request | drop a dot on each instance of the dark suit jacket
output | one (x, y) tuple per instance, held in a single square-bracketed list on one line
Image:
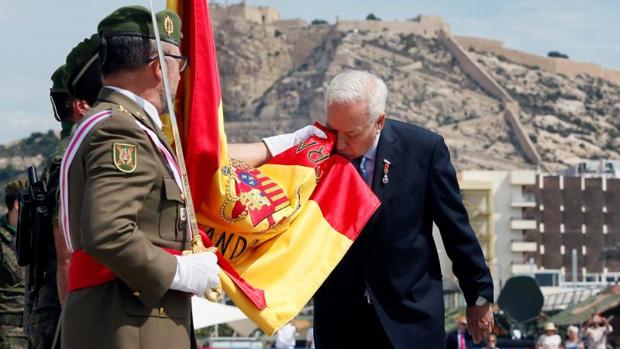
[(395, 256), (452, 340)]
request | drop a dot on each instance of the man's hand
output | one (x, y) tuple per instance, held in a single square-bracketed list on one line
[(280, 143), (479, 321), (196, 273)]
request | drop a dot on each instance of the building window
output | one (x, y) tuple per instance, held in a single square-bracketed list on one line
[(562, 250)]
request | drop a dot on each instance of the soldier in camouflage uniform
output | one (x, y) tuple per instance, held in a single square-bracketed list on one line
[(11, 275), (75, 87)]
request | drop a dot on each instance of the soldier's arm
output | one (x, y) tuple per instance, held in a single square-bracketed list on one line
[(112, 201), (254, 154)]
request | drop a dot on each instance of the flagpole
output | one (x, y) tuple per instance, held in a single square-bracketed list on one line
[(215, 294)]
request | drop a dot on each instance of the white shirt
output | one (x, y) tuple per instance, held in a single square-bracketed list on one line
[(285, 337), (149, 108), (550, 342), (310, 337), (370, 156)]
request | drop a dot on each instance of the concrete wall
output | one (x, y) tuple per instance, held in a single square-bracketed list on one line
[(426, 26), (473, 69), (511, 115), (486, 81), (262, 15), (553, 65)]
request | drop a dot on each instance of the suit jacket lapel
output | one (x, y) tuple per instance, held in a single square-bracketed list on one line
[(387, 149), (112, 96)]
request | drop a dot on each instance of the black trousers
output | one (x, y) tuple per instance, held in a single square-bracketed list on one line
[(363, 330)]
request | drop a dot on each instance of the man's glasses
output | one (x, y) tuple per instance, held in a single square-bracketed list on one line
[(182, 60)]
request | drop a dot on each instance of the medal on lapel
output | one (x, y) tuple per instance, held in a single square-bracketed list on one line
[(386, 171)]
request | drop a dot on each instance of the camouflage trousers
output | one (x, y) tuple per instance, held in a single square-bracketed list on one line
[(12, 337)]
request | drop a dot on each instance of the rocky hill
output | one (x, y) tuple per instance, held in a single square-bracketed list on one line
[(274, 73), (16, 157), (268, 87)]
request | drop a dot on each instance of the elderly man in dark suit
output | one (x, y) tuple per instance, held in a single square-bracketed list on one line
[(387, 291)]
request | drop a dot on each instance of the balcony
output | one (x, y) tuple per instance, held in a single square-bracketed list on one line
[(523, 224), (523, 200), (522, 177), (523, 246)]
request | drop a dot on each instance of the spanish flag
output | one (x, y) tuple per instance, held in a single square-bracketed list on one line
[(280, 228)]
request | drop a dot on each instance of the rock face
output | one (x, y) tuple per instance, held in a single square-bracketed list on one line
[(569, 119), (274, 77), (274, 74)]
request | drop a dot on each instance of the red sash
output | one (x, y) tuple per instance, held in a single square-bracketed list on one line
[(85, 271)]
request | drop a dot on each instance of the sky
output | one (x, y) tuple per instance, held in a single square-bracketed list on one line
[(39, 34)]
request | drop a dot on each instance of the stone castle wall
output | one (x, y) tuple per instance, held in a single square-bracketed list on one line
[(550, 64)]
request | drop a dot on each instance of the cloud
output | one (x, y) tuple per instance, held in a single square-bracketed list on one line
[(20, 124)]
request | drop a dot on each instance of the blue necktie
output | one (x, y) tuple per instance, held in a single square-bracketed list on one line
[(360, 165)]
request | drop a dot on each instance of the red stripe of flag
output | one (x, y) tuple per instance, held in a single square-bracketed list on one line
[(201, 142)]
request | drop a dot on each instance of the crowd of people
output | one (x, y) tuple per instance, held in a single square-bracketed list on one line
[(592, 335)]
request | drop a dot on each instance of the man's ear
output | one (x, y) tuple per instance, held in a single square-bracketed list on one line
[(80, 107), (155, 69), (380, 122)]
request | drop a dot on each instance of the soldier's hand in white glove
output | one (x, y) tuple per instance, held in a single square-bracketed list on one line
[(196, 273), (280, 143)]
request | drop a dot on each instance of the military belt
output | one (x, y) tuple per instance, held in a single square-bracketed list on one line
[(11, 320)]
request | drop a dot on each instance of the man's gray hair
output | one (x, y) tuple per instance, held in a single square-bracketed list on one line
[(355, 86)]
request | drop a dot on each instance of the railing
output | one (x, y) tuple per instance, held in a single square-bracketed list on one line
[(565, 299)]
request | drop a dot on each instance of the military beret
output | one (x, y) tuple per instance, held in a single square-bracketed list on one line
[(82, 57), (136, 21), (58, 80), (15, 187)]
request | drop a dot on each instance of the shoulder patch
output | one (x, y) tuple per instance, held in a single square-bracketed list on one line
[(125, 157)]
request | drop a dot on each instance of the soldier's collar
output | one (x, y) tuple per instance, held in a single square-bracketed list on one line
[(145, 105)]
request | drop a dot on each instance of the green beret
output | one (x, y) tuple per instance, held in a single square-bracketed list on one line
[(15, 187), (58, 80), (136, 21), (82, 57)]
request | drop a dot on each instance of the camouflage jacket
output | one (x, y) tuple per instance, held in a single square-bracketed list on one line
[(11, 278)]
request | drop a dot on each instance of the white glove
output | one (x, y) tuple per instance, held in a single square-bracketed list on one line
[(196, 273), (278, 144)]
